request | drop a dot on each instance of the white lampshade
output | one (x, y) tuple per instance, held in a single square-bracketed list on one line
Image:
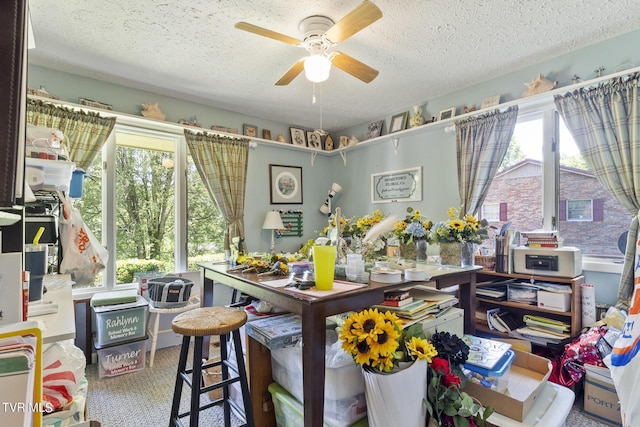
[(273, 221), (317, 67)]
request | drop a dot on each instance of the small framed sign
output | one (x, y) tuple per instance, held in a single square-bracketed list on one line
[(404, 185)]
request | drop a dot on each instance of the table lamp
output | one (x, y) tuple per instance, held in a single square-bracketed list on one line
[(273, 222)]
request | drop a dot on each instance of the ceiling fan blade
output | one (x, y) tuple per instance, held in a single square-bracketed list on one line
[(291, 74), (353, 66), (360, 17), (245, 26)]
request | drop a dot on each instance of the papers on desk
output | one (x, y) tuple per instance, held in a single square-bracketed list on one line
[(338, 287)]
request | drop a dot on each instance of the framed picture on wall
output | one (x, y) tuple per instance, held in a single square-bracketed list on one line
[(285, 184)]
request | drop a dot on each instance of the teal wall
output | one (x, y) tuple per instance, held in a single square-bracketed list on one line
[(432, 148)]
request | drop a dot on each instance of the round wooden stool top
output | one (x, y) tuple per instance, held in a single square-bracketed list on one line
[(206, 321)]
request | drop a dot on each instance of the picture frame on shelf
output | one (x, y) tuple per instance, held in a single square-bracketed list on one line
[(298, 137), (375, 129), (447, 114), (313, 140), (344, 142), (266, 134), (490, 102), (327, 143), (250, 130), (225, 129), (398, 122), (285, 184)]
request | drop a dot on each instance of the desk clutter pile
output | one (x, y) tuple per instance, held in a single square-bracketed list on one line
[(505, 378)]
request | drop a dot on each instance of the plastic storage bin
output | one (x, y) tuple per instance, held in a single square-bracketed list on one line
[(290, 413), (120, 322), (497, 378), (48, 174), (121, 359), (344, 398)]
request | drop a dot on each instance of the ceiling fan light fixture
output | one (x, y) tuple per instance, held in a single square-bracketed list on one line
[(317, 67)]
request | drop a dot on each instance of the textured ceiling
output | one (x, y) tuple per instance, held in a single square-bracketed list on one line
[(422, 48)]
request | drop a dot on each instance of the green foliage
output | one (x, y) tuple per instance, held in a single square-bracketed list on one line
[(125, 269), (212, 257), (514, 155)]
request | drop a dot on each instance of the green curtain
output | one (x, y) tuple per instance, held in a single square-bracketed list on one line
[(605, 123), (481, 144), (84, 132), (222, 164)]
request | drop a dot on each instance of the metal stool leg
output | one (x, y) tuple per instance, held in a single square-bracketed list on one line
[(177, 391), (242, 372)]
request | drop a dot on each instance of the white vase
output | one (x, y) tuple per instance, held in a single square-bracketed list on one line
[(396, 399)]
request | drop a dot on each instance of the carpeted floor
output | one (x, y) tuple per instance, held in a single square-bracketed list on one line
[(143, 398)]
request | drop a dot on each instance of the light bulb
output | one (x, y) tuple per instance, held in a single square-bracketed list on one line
[(317, 67)]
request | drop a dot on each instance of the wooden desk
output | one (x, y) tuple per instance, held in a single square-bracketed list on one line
[(313, 311)]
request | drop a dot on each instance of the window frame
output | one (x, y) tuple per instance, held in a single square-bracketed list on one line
[(139, 127)]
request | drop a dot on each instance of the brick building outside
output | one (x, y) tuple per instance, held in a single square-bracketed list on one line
[(517, 191)]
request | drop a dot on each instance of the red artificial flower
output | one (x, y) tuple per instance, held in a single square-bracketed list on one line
[(440, 365), (450, 380)]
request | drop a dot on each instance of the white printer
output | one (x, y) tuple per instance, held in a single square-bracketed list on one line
[(559, 262)]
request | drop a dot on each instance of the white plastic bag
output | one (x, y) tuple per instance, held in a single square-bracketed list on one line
[(63, 368), (624, 361), (82, 255)]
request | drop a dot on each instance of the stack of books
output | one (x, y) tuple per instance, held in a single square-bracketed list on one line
[(543, 239), (397, 298), (544, 329), (422, 303)]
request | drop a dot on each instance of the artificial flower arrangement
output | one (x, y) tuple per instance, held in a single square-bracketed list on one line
[(412, 227), (447, 404), (378, 342), (467, 229), (277, 265)]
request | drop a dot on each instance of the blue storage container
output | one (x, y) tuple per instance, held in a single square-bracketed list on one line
[(496, 378)]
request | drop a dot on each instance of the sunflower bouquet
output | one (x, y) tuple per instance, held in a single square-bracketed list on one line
[(378, 342), (462, 229)]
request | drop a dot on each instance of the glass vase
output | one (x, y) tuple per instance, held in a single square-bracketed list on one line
[(421, 250), (456, 254)]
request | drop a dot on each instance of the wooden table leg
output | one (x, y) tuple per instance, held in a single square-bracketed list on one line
[(313, 364), (259, 374)]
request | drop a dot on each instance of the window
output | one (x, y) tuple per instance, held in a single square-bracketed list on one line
[(548, 185), (579, 210), (491, 212), (135, 202)]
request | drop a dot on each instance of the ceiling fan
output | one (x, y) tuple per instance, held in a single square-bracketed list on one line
[(319, 35)]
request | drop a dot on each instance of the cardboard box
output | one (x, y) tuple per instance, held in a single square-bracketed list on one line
[(529, 373), (554, 301), (600, 397)]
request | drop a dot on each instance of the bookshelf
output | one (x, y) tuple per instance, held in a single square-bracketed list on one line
[(574, 316)]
